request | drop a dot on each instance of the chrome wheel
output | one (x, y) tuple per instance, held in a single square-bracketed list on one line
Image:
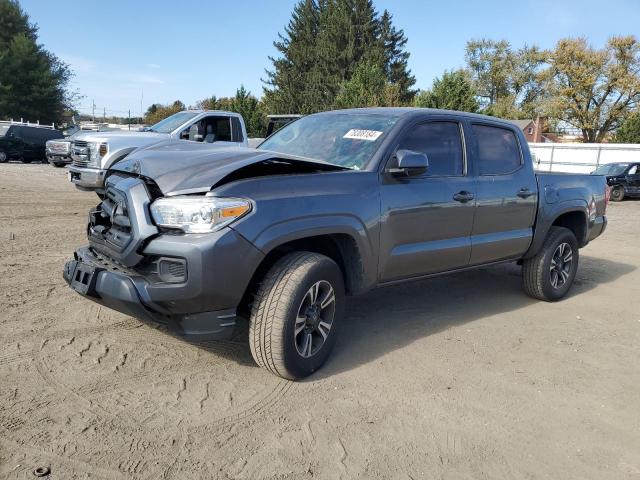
[(3, 157), (561, 264), (314, 318)]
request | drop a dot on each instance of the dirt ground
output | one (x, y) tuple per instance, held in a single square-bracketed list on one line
[(455, 377)]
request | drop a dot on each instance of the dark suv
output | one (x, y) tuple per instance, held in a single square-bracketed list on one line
[(26, 143), (623, 178)]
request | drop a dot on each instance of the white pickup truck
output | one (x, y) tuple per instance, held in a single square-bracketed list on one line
[(93, 153)]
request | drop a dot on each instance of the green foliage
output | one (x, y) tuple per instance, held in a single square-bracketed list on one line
[(368, 87), (506, 80), (629, 130), (243, 103), (157, 112), (323, 46), (453, 91), (33, 81), (590, 89), (13, 22)]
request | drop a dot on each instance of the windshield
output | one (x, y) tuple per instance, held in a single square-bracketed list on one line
[(348, 140), (169, 124), (611, 169)]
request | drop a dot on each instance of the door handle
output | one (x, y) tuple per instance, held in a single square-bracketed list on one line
[(524, 192), (463, 196)]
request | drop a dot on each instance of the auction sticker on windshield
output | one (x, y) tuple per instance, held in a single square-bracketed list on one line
[(357, 134)]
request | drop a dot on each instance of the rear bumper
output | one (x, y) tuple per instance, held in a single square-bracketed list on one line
[(598, 227), (86, 178)]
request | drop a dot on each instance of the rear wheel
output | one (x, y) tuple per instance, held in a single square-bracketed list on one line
[(3, 157), (295, 315), (617, 193), (58, 164), (549, 275)]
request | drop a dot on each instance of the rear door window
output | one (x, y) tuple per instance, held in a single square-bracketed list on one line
[(442, 143), (498, 150)]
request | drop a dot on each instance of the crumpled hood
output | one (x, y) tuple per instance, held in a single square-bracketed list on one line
[(190, 167)]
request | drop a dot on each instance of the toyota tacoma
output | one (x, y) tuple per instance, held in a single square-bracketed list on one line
[(333, 204)]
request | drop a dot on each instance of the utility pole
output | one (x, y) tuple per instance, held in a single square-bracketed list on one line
[(93, 111), (129, 119), (104, 114)]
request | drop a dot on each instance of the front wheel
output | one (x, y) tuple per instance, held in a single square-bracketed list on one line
[(295, 315), (549, 275), (3, 157), (617, 193)]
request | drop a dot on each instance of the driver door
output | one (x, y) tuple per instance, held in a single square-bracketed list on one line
[(427, 219)]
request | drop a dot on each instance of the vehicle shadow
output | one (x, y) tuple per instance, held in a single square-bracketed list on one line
[(389, 318)]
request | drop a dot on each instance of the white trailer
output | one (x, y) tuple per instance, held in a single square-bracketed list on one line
[(581, 157)]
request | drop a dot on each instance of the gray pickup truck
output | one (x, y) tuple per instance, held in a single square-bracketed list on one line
[(333, 204)]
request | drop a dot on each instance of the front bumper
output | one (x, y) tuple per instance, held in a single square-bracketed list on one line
[(85, 178), (66, 159), (219, 268)]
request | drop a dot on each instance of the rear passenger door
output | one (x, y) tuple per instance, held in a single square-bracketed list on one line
[(507, 194)]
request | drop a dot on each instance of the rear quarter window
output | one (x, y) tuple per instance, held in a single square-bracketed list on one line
[(498, 152)]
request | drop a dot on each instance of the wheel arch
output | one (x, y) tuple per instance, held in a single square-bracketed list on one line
[(572, 215), (339, 245)]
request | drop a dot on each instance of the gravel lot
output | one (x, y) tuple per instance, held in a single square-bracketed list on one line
[(457, 377)]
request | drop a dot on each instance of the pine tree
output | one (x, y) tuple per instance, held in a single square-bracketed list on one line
[(323, 46), (453, 91), (295, 83), (396, 58), (32, 80), (13, 21)]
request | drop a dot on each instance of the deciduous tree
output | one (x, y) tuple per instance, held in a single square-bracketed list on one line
[(593, 90)]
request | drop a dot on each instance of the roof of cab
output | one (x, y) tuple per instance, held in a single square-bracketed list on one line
[(414, 111)]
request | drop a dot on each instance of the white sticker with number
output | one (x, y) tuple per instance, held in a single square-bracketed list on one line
[(357, 134)]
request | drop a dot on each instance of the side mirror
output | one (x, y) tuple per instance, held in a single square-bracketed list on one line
[(409, 163)]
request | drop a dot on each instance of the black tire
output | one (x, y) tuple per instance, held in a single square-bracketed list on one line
[(617, 193), (3, 157), (276, 312), (58, 164), (539, 272)]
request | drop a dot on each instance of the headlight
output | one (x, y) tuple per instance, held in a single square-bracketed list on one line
[(198, 214), (97, 150)]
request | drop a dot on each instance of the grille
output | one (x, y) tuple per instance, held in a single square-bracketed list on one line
[(110, 223), (80, 153), (58, 148)]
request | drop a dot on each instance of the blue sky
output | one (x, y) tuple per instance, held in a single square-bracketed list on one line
[(160, 51)]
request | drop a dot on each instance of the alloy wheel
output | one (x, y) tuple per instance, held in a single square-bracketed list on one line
[(314, 319), (561, 263)]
